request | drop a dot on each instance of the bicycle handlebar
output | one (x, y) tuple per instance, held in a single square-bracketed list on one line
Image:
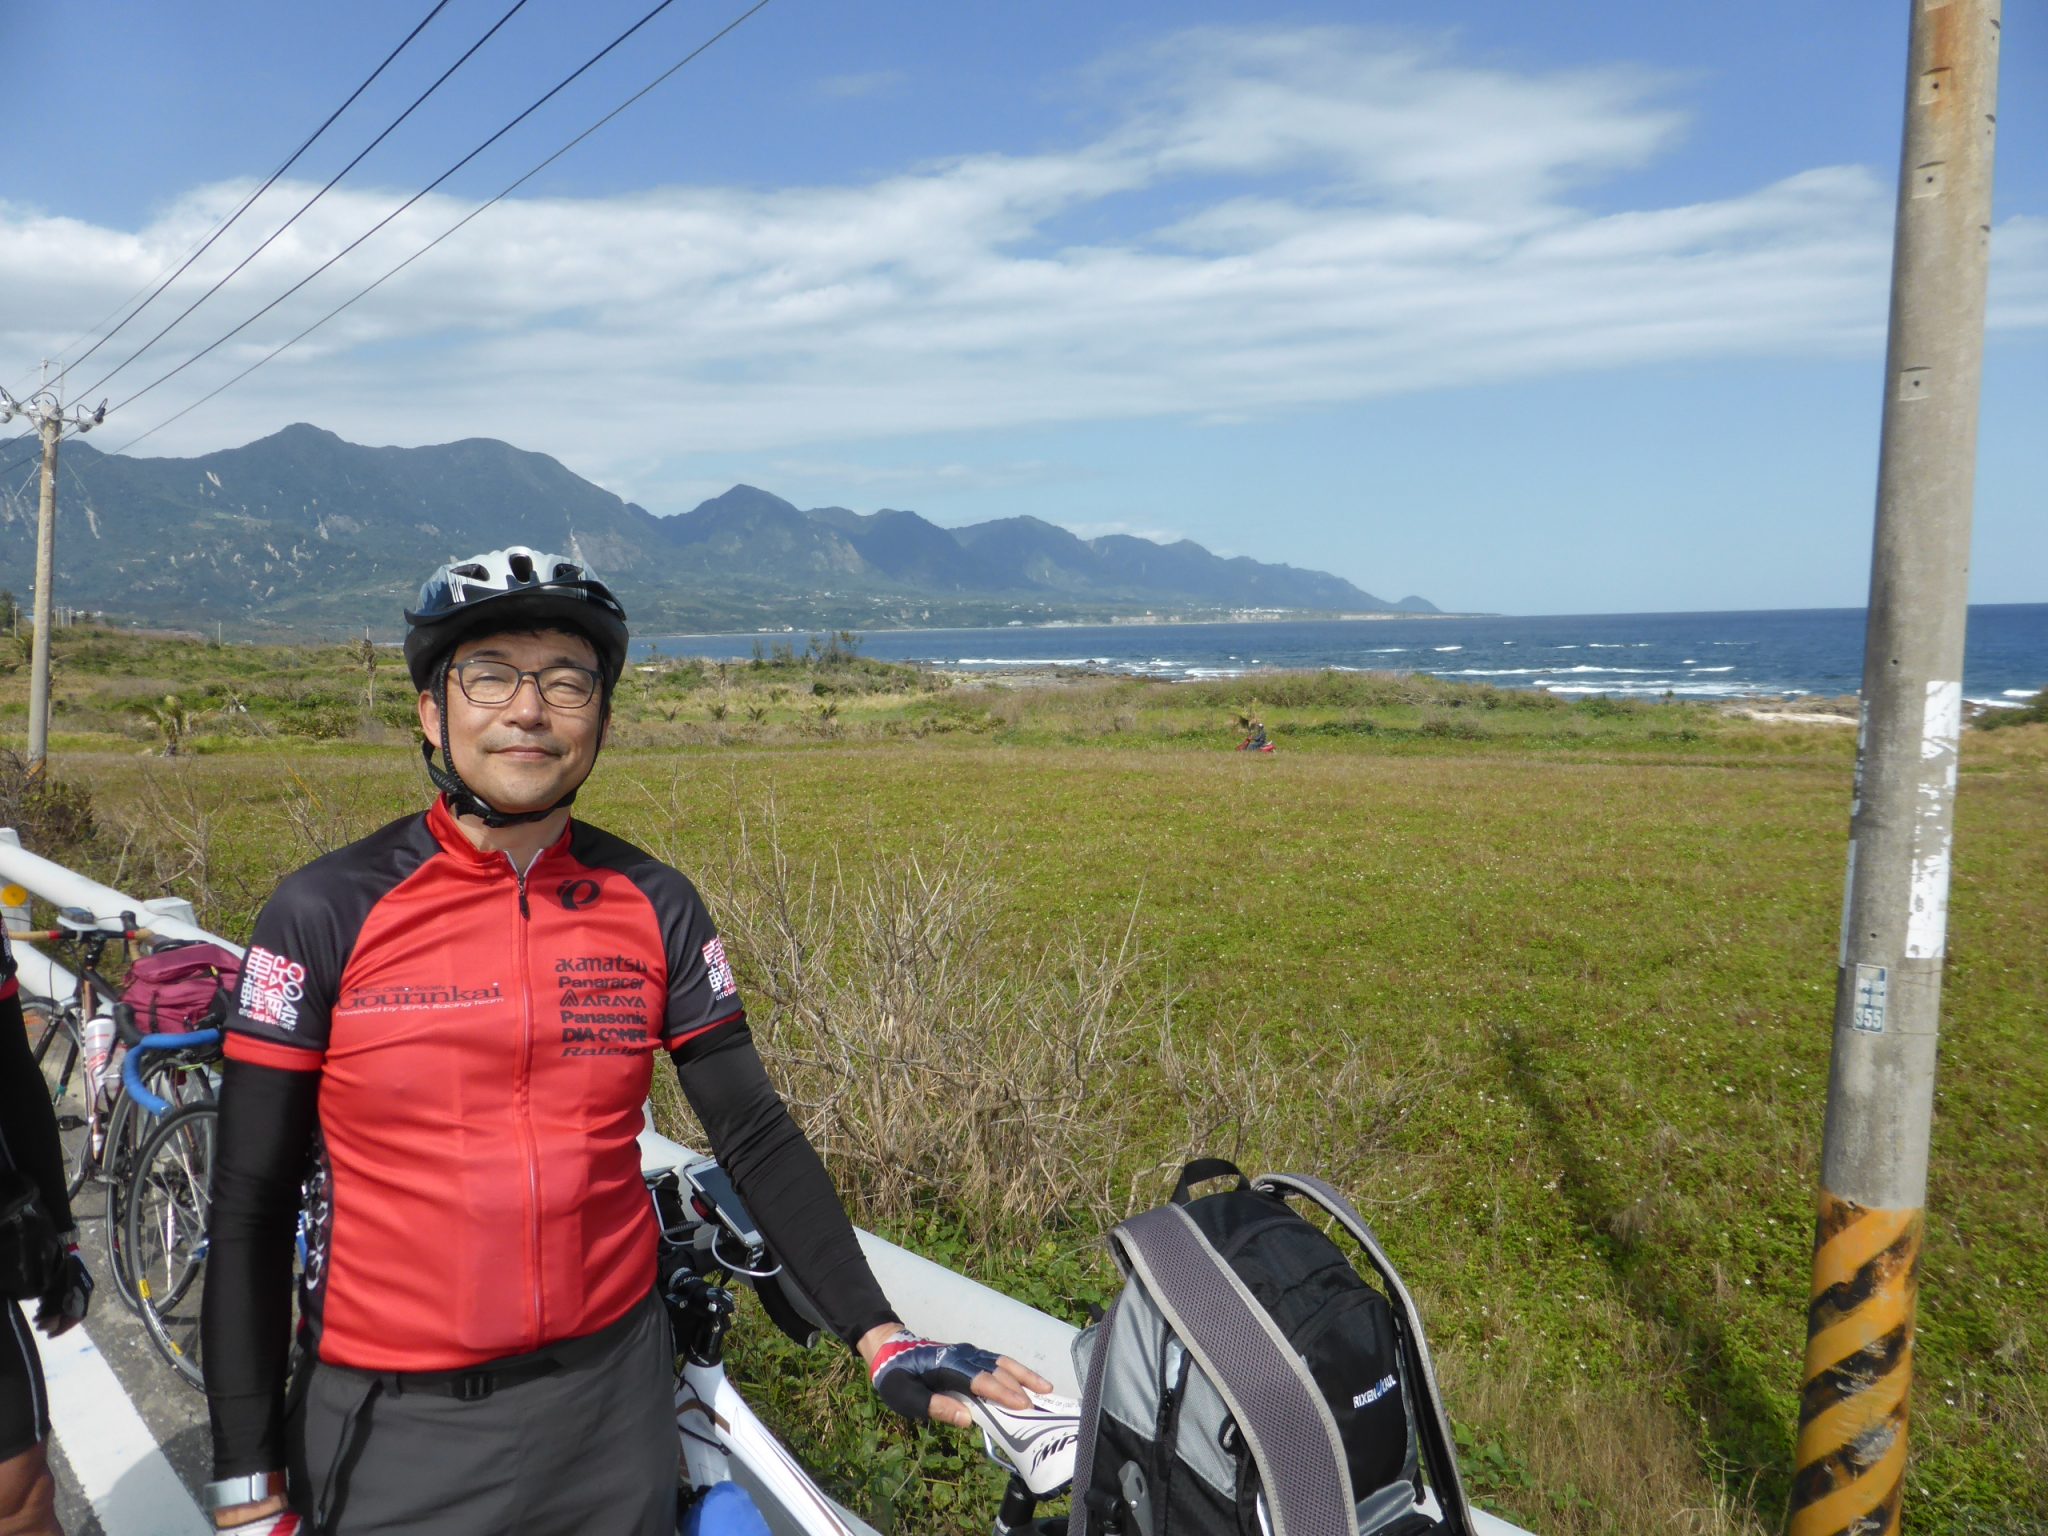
[(143, 936), (131, 1064), (692, 1216)]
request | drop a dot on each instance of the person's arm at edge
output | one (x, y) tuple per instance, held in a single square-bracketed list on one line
[(25, 1108), (779, 1175), (787, 1190), (267, 1120)]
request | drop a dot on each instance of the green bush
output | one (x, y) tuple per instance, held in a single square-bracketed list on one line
[(52, 815), (2033, 712)]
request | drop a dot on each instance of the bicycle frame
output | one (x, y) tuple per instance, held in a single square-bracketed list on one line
[(723, 1440)]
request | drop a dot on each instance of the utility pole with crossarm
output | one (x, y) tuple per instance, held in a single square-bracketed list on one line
[(46, 413)]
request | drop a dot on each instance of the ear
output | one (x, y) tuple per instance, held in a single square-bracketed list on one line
[(430, 716)]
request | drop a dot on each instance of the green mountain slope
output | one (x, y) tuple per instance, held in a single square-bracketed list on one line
[(302, 531)]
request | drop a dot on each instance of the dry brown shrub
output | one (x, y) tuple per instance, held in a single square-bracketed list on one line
[(51, 815), (333, 813), (169, 844), (931, 1064)]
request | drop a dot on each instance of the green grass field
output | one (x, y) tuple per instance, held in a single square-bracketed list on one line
[(1546, 986)]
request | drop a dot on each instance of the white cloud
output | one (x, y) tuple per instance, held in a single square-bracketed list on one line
[(894, 484), (1379, 219), (1157, 535)]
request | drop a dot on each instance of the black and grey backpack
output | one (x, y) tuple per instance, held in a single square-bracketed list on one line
[(1248, 1381)]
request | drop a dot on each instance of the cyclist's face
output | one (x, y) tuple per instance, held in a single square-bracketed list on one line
[(526, 753)]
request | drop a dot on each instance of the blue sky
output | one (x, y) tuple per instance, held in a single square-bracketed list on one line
[(1521, 308)]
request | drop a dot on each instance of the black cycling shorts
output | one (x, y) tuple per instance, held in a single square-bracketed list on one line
[(24, 1404)]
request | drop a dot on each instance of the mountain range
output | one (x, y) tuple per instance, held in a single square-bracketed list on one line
[(301, 532)]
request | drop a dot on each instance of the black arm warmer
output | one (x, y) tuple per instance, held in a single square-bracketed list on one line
[(28, 1123), (778, 1174), (267, 1119)]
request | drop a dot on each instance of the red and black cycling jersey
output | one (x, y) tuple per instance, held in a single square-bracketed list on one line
[(484, 1042), (465, 1051)]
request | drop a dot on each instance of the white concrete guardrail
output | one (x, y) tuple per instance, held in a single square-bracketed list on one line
[(934, 1300)]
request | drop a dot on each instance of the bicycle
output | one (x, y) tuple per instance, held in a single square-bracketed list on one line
[(168, 1200), (169, 1205), (108, 1129)]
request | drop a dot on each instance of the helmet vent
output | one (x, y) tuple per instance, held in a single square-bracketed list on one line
[(521, 564)]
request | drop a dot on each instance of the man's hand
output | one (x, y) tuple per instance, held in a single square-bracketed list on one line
[(912, 1374), (63, 1306)]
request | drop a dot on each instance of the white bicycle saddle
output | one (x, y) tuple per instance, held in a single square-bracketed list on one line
[(1036, 1442)]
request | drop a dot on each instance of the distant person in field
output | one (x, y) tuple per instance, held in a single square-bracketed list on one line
[(1255, 733), (450, 1028)]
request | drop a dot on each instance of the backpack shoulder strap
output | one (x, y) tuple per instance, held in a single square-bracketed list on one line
[(1278, 1407), (1091, 1418), (1438, 1443)]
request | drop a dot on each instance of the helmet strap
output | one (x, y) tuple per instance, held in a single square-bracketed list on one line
[(463, 800)]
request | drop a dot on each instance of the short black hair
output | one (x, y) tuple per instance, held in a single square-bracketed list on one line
[(528, 627)]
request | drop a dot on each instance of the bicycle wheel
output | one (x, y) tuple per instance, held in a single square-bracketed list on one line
[(60, 1054), (127, 1127), (168, 1204), (178, 1083)]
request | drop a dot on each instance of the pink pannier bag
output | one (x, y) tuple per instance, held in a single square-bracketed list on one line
[(182, 987)]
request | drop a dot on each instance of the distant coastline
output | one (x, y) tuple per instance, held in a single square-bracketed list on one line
[(1760, 655)]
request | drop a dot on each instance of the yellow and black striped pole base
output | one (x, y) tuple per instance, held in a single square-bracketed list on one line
[(1851, 1462)]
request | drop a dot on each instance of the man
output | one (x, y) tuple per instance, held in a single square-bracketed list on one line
[(453, 1022), (29, 1146)]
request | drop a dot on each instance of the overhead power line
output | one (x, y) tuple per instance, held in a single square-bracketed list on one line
[(509, 189), (21, 387), (8, 468), (223, 227), (389, 128), (535, 106)]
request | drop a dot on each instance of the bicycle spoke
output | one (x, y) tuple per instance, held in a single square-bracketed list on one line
[(168, 1205)]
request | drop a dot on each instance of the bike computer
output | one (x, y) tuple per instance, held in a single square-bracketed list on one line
[(717, 1200)]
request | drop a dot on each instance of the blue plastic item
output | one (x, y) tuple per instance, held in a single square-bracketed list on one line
[(723, 1509)]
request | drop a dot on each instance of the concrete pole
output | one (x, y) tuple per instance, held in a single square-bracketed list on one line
[(52, 426), (1849, 1477)]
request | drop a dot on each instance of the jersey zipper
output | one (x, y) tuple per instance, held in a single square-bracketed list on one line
[(523, 1100)]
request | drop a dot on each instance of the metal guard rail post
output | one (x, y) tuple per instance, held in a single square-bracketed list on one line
[(67, 888)]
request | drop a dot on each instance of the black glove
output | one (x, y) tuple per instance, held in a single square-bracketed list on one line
[(908, 1370), (65, 1303)]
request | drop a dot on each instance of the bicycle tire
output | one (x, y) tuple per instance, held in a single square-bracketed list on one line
[(128, 1128), (168, 1206), (59, 1050)]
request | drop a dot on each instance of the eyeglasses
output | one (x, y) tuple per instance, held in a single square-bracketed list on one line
[(496, 682)]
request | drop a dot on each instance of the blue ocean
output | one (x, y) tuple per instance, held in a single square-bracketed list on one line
[(1767, 654)]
